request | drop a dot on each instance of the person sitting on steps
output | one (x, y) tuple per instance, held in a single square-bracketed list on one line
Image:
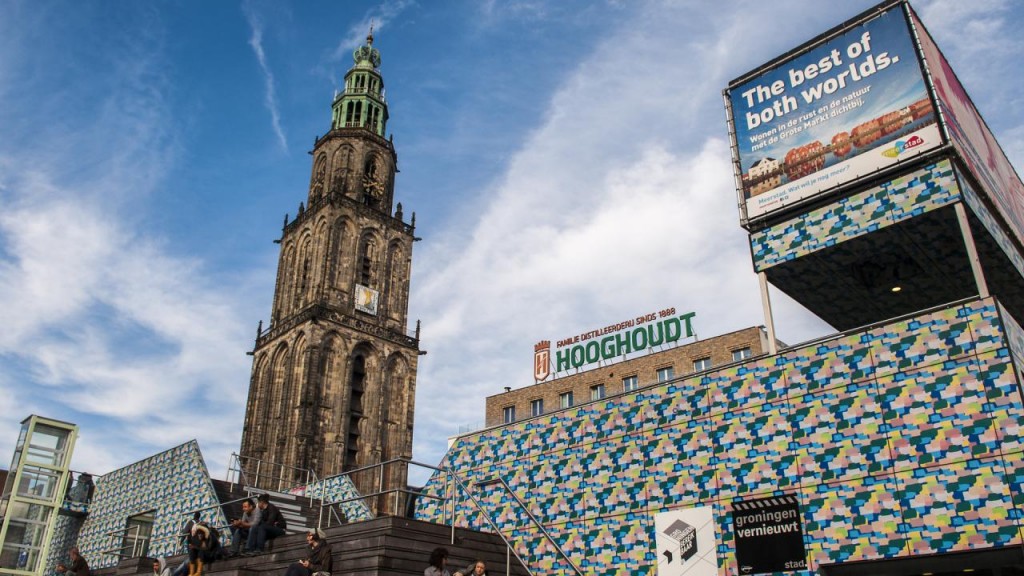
[(271, 525), (198, 544), (319, 562), (478, 568), (240, 527)]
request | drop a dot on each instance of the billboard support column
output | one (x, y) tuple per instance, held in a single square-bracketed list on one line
[(766, 305), (972, 251)]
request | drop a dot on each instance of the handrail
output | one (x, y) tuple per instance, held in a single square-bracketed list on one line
[(119, 550), (498, 480), (456, 484), (236, 460), (487, 517)]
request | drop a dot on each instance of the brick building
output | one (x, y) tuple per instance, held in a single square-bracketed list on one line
[(625, 376)]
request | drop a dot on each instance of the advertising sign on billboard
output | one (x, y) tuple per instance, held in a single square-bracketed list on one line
[(972, 139), (842, 110), (769, 535)]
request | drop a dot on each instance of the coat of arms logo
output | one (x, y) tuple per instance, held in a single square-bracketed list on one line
[(542, 360)]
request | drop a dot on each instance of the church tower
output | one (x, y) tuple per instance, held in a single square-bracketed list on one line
[(334, 375)]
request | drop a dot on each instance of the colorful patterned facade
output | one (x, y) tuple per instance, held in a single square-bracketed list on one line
[(169, 485), (920, 191), (900, 440)]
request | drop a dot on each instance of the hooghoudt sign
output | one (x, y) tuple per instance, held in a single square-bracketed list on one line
[(838, 111), (634, 335), (769, 535)]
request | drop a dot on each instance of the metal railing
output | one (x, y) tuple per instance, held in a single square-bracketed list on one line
[(267, 475), (452, 485), (497, 480), (185, 517), (139, 544)]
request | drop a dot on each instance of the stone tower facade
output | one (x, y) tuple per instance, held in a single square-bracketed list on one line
[(334, 376)]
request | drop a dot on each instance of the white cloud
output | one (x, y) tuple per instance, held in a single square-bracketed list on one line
[(377, 18), (270, 90), (105, 324), (620, 202)]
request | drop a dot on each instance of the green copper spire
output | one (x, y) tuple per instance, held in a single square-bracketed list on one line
[(362, 103)]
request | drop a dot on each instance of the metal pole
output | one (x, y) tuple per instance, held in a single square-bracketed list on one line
[(452, 500), (972, 250), (257, 482), (380, 484), (766, 305)]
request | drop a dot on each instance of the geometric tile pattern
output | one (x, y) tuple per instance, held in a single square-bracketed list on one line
[(994, 228), (905, 438), (336, 489), (920, 191), (170, 485), (65, 536)]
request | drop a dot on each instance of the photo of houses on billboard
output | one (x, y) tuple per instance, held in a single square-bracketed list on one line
[(835, 113)]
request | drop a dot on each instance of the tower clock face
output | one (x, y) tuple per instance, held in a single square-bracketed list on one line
[(367, 299)]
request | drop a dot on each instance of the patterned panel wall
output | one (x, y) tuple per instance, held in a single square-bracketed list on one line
[(170, 485), (339, 489), (902, 439), (65, 536), (923, 190)]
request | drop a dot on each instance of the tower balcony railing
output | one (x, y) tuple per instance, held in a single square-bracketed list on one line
[(365, 90)]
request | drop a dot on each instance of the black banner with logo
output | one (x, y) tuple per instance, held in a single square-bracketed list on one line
[(769, 535)]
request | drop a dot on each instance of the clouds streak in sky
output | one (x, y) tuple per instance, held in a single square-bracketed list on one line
[(270, 95)]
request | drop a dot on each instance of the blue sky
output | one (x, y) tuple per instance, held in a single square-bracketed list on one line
[(567, 162)]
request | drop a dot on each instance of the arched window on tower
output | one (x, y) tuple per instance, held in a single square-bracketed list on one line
[(374, 181), (316, 187), (342, 168), (367, 257), (357, 381)]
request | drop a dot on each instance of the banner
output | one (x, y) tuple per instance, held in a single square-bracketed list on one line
[(973, 140), (843, 110), (685, 540)]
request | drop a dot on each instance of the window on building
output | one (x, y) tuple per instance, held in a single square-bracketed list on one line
[(137, 535), (665, 374), (629, 383), (701, 364), (536, 407), (597, 392), (508, 414), (565, 400), (741, 354)]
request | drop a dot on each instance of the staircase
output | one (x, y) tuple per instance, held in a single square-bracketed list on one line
[(299, 512), (382, 546)]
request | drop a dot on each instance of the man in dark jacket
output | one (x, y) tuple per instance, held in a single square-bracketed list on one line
[(270, 526), (319, 561), (79, 567)]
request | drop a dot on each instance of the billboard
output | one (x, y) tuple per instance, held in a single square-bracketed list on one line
[(842, 109), (972, 139)]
